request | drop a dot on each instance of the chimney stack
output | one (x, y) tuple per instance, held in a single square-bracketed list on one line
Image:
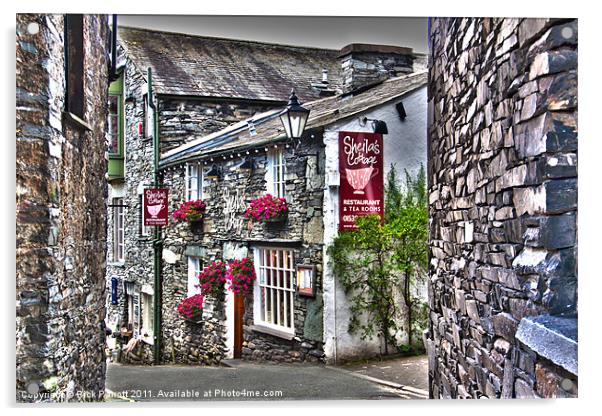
[(363, 65)]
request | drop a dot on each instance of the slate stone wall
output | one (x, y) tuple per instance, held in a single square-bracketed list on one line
[(182, 118), (61, 220), (503, 202)]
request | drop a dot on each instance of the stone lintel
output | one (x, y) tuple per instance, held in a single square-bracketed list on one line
[(553, 338)]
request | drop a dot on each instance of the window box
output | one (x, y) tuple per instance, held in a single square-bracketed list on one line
[(279, 219), (196, 226)]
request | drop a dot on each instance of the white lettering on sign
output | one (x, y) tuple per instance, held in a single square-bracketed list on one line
[(357, 152), (234, 205), (154, 196)]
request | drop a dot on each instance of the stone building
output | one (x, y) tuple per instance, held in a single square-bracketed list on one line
[(62, 76), (503, 205), (211, 94), (306, 173)]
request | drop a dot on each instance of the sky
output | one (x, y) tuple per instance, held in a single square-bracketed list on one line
[(323, 32)]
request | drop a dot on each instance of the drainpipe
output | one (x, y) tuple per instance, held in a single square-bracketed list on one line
[(113, 71), (157, 242)]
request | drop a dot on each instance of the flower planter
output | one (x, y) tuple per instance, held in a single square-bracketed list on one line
[(191, 309), (276, 220), (191, 212), (196, 226), (275, 208), (194, 321)]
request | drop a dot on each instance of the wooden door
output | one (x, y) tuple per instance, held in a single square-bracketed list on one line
[(239, 312)]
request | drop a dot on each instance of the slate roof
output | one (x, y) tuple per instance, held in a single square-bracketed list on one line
[(269, 128), (203, 66)]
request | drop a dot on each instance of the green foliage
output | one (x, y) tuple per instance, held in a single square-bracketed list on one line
[(376, 259)]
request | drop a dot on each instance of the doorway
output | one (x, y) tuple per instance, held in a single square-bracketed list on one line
[(239, 313)]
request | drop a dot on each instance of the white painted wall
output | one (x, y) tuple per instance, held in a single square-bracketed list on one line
[(405, 146)]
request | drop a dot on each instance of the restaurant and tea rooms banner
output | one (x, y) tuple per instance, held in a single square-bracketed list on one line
[(361, 172), (155, 207)]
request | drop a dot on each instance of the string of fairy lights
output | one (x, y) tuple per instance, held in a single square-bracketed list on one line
[(209, 160)]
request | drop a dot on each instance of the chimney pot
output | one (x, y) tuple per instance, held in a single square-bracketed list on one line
[(325, 76)]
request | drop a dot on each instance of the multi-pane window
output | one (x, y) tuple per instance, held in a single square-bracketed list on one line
[(274, 291), (144, 230), (147, 315), (133, 302), (275, 173), (194, 181), (195, 265), (118, 230), (148, 118), (114, 123)]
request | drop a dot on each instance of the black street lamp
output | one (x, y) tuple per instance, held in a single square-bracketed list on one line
[(294, 117)]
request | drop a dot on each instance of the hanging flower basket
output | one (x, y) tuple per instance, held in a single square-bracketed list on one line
[(196, 226), (191, 212), (240, 276), (191, 309), (268, 208), (280, 218), (212, 279)]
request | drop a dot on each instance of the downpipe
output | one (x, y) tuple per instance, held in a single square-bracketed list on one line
[(158, 240)]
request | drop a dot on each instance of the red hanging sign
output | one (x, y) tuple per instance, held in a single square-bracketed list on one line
[(361, 171), (155, 207)]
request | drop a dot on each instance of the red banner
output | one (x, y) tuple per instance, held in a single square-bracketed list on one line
[(155, 206), (361, 172)]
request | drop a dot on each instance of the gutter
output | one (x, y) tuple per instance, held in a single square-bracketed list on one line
[(157, 241)]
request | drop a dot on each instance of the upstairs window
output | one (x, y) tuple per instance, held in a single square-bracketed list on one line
[(275, 173), (74, 64), (148, 119), (194, 182), (115, 117)]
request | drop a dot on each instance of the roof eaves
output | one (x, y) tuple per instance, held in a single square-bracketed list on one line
[(215, 139)]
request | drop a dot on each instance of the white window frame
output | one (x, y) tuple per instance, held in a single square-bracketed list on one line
[(279, 294), (147, 131), (275, 172), (118, 230), (194, 181), (134, 312), (144, 229), (195, 265)]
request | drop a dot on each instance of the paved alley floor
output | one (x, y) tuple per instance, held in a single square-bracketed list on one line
[(408, 371), (243, 381)]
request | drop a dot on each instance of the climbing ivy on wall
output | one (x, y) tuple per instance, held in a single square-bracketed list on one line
[(376, 261)]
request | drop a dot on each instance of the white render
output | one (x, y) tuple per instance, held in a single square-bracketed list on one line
[(405, 146)]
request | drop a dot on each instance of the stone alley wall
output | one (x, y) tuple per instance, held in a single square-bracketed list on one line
[(503, 208), (60, 214)]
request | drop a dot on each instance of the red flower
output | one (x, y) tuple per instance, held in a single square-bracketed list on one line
[(241, 275), (212, 278), (190, 211), (191, 308), (266, 207)]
